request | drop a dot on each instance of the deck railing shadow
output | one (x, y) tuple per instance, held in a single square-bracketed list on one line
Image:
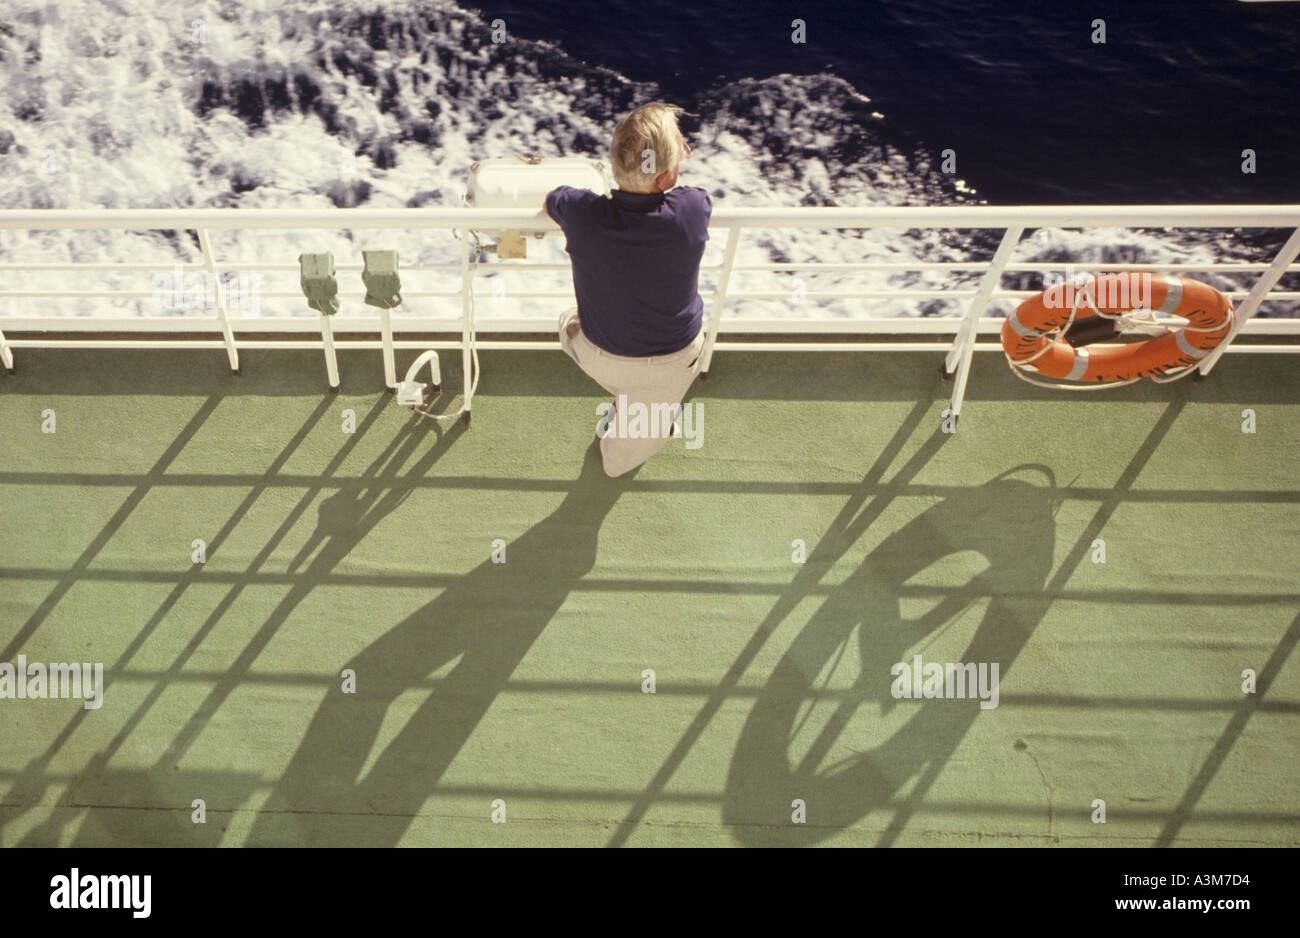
[(29, 785), (762, 782), (491, 627)]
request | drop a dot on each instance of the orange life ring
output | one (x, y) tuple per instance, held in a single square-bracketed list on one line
[(1028, 339)]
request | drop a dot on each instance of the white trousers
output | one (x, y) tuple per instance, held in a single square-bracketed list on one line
[(661, 380)]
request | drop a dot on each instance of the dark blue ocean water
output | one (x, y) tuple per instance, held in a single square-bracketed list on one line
[(1034, 109)]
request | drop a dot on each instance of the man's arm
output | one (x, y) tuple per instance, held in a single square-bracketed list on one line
[(546, 201)]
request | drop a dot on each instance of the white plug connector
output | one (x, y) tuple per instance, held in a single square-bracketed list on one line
[(411, 393)]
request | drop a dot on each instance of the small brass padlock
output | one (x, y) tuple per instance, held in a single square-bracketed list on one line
[(511, 245)]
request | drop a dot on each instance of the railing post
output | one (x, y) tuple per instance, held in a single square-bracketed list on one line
[(467, 322), (963, 346), (384, 292), (719, 298), (210, 266), (331, 357), (6, 354), (386, 335), (1267, 280)]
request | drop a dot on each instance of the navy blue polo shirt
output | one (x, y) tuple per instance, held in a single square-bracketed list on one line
[(636, 265)]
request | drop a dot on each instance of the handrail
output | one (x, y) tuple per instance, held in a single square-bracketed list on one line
[(883, 216)]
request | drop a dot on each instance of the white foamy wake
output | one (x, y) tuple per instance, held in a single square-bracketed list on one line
[(176, 103)]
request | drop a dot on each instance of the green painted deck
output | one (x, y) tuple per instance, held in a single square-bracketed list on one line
[(522, 681)]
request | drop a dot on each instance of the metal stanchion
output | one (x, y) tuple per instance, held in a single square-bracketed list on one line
[(6, 355), (383, 291)]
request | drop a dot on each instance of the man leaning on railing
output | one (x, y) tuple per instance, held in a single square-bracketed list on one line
[(636, 263)]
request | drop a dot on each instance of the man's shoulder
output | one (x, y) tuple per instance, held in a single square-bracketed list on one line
[(564, 204), (693, 195)]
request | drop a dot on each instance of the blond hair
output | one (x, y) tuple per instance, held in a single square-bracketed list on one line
[(651, 127)]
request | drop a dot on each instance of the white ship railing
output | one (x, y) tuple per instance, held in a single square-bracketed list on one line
[(818, 334)]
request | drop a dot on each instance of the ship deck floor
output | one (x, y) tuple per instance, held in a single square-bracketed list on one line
[(518, 687)]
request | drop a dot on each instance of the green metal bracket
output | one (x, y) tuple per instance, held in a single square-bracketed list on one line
[(383, 286), (318, 283)]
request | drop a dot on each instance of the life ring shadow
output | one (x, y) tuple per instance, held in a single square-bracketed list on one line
[(1008, 521)]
